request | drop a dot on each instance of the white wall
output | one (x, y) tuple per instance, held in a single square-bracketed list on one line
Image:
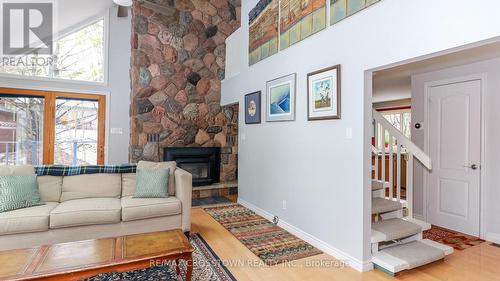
[(71, 12), (233, 48), (491, 157), (313, 165), (117, 89), (391, 88)]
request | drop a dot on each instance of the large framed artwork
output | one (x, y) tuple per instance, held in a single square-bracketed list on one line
[(253, 108), (280, 99), (341, 9), (323, 94), (263, 30), (300, 19)]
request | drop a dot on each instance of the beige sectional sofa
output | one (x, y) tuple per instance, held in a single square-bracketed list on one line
[(96, 206)]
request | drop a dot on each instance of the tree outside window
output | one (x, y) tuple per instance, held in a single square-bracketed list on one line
[(78, 55)]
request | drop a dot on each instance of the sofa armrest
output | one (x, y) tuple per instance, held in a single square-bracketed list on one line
[(184, 192)]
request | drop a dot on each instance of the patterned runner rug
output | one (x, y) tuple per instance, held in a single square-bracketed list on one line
[(270, 243), (457, 240), (207, 266)]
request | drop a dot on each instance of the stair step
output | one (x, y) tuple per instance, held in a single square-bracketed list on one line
[(382, 205), (378, 185), (393, 229), (410, 255)]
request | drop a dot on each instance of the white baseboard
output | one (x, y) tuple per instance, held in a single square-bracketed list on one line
[(357, 264), (493, 237), (419, 217)]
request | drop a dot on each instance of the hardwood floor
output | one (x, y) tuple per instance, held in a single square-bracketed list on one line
[(474, 264)]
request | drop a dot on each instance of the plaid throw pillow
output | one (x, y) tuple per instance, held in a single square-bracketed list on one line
[(152, 183), (18, 192)]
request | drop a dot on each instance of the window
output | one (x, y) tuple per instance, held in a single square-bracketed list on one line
[(40, 127), (78, 55), (21, 130), (401, 119), (76, 131)]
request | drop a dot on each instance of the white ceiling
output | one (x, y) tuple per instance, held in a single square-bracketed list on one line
[(73, 12), (395, 83)]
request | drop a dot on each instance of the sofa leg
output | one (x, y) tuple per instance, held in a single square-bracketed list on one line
[(187, 233)]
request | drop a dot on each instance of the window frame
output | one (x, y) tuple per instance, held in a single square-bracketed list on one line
[(49, 118), (400, 111), (63, 33)]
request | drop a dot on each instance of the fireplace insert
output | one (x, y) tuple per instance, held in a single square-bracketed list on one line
[(202, 162)]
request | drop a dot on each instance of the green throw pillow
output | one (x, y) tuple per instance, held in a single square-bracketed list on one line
[(18, 192), (152, 183)]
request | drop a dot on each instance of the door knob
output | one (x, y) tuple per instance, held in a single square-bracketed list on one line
[(474, 166)]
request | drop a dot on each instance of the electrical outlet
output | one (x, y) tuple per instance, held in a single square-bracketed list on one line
[(284, 205)]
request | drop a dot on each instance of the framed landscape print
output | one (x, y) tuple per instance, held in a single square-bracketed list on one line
[(323, 94), (280, 99), (252, 108)]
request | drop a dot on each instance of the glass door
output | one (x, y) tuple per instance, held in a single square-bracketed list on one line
[(21, 130), (43, 127), (76, 132)]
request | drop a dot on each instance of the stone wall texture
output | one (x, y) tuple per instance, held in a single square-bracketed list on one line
[(177, 64)]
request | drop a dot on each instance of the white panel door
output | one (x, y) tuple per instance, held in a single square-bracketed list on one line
[(455, 149)]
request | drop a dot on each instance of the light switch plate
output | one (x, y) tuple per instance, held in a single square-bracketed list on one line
[(116, 131), (348, 133)]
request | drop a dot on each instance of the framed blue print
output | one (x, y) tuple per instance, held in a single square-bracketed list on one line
[(280, 99), (253, 108)]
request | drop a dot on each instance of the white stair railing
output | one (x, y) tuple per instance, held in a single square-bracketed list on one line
[(401, 147)]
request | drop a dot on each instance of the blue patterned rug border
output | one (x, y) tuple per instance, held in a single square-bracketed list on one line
[(215, 256)]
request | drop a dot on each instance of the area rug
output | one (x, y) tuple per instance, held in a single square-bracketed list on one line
[(457, 240), (207, 266), (213, 200), (270, 243)]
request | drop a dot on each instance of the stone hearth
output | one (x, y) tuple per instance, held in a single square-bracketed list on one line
[(177, 64)]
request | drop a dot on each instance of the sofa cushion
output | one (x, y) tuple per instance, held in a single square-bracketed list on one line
[(143, 208), (50, 188), (17, 192), (162, 165), (86, 211), (32, 219), (152, 183), (21, 170), (91, 186), (128, 184)]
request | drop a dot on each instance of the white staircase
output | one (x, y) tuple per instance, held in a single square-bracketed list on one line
[(397, 242)]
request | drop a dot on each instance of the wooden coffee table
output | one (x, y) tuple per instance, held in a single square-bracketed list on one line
[(83, 259)]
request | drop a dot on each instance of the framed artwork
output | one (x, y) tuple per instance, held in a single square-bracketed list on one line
[(323, 94), (341, 9), (300, 19), (263, 24), (252, 108), (280, 99)]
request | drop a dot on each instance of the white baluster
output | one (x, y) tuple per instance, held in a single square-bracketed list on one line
[(383, 158), (376, 153), (409, 185), (391, 167), (398, 172)]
